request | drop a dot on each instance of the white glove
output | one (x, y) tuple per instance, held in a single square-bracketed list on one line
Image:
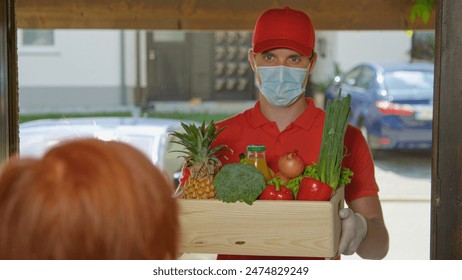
[(354, 229)]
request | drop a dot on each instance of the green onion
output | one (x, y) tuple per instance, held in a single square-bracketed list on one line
[(332, 144)]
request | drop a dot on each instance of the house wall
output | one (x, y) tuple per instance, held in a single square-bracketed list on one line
[(377, 46), (98, 68), (83, 68)]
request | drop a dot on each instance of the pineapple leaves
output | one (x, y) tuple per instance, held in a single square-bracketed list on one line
[(197, 141)]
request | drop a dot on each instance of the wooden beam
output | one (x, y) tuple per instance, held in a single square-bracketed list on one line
[(446, 203), (8, 82), (212, 14)]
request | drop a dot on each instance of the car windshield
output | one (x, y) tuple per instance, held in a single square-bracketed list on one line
[(409, 80)]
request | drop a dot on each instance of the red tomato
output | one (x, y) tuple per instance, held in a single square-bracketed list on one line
[(312, 189)]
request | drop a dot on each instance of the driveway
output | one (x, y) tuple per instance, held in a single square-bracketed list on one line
[(404, 179), (404, 175)]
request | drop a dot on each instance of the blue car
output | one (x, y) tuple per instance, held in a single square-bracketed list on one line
[(391, 103)]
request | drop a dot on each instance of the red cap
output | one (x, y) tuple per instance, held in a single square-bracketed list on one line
[(284, 28)]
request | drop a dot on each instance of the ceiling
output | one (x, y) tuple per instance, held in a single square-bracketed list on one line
[(211, 14)]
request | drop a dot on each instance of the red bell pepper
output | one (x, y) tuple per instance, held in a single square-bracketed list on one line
[(312, 189), (275, 191)]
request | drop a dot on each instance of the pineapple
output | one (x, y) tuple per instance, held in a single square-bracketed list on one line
[(201, 161)]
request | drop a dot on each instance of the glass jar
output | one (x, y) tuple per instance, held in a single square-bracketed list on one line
[(256, 155)]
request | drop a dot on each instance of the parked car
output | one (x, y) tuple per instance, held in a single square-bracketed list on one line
[(391, 103), (151, 136)]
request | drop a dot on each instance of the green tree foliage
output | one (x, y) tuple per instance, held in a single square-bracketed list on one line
[(422, 9)]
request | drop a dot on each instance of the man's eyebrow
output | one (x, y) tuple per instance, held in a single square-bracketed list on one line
[(266, 52)]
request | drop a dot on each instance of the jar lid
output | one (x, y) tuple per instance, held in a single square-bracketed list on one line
[(256, 148)]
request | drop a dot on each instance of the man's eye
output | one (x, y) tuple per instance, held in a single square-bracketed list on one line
[(268, 57), (295, 58)]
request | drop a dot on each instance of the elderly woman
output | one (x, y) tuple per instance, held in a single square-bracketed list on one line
[(87, 199)]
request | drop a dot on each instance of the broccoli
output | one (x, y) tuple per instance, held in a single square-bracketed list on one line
[(239, 182)]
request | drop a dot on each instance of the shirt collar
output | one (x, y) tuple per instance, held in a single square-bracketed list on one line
[(305, 120), (256, 116)]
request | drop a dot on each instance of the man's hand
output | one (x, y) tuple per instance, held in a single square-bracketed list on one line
[(354, 230)]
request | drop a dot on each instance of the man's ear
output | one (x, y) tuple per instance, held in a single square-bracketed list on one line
[(314, 58), (251, 58)]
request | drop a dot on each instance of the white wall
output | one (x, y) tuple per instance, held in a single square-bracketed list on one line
[(83, 69), (372, 46), (79, 58), (348, 48)]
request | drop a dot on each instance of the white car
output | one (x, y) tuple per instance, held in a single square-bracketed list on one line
[(151, 136)]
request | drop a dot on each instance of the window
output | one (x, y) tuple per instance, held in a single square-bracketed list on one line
[(352, 77), (365, 79), (169, 36), (409, 80), (32, 37), (36, 40)]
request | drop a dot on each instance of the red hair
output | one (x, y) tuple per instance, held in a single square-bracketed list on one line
[(87, 199)]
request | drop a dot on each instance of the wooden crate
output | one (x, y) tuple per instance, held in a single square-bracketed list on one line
[(267, 227)]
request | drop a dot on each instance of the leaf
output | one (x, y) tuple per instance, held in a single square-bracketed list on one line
[(422, 9)]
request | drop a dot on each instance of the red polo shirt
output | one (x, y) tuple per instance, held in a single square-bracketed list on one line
[(303, 135)]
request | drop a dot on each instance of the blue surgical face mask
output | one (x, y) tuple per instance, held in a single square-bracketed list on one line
[(281, 85)]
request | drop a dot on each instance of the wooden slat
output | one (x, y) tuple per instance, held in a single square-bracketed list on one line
[(446, 226), (9, 139), (212, 14), (274, 228)]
